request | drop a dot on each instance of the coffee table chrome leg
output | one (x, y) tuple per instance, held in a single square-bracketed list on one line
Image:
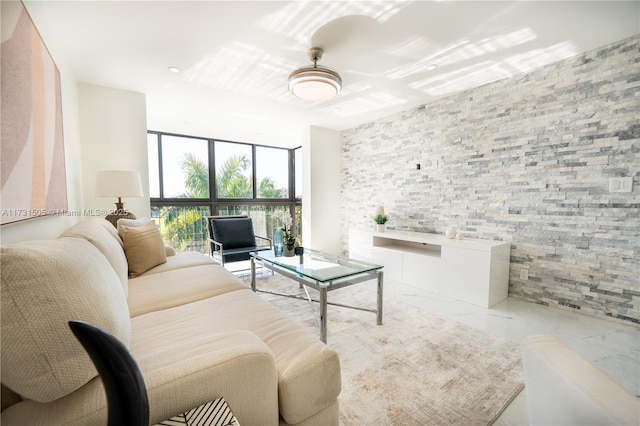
[(323, 314), (253, 274), (379, 310)]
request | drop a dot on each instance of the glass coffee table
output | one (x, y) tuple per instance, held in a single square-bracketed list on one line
[(323, 272)]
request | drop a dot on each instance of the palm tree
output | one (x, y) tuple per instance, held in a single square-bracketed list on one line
[(231, 181), (197, 174), (267, 189), (184, 227)]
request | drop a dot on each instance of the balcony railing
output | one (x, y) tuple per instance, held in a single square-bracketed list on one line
[(185, 227)]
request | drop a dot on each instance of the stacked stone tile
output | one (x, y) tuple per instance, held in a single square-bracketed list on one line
[(527, 160)]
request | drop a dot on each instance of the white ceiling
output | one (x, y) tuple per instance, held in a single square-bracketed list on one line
[(235, 56)]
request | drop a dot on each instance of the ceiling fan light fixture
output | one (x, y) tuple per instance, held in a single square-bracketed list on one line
[(315, 83)]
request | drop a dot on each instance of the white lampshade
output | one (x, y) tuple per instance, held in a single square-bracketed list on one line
[(118, 183)]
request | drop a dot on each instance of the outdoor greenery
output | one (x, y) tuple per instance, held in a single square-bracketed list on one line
[(185, 227)]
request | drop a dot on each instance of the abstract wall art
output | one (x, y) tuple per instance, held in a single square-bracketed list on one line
[(32, 162)]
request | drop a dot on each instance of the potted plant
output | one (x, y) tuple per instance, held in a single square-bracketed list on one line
[(285, 236), (380, 220)]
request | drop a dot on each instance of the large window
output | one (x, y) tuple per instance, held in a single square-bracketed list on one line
[(272, 172), (191, 178), (185, 167), (234, 170)]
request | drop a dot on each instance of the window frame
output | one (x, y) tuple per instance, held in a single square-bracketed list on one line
[(213, 202)]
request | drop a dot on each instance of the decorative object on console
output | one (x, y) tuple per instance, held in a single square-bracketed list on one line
[(118, 183), (315, 83), (380, 219), (459, 235), (451, 232)]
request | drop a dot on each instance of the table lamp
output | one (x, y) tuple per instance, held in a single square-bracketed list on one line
[(118, 183)]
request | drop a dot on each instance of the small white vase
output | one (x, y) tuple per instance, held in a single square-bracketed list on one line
[(380, 227), (451, 232)]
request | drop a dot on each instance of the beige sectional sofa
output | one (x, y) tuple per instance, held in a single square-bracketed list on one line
[(195, 330)]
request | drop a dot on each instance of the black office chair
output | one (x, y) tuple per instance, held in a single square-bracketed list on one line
[(127, 401), (231, 238)]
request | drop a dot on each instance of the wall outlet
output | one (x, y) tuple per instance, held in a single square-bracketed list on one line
[(621, 184), (524, 274)]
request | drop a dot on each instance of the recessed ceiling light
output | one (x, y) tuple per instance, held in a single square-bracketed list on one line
[(174, 69), (432, 67)]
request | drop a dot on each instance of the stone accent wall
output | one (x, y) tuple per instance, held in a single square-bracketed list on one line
[(527, 160)]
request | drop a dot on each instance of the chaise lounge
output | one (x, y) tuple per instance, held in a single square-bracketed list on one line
[(196, 331)]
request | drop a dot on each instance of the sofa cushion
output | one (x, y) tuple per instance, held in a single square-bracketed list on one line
[(45, 284), (309, 378), (185, 259), (176, 287), (143, 247), (104, 237)]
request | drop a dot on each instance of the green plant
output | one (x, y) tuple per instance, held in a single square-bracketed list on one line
[(286, 222), (380, 219)]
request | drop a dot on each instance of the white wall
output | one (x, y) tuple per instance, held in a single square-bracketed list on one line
[(321, 153), (113, 129)]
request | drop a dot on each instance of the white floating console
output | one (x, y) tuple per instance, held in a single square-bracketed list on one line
[(471, 270)]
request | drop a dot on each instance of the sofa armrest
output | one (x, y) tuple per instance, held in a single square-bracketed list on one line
[(310, 382), (564, 388), (236, 365)]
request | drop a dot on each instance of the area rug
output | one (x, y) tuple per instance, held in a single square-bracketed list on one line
[(415, 369)]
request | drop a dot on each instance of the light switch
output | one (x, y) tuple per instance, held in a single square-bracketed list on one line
[(621, 184)]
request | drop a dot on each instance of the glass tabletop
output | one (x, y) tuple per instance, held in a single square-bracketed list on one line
[(316, 265)]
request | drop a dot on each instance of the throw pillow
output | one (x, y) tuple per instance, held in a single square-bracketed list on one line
[(45, 284), (143, 247), (131, 222)]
